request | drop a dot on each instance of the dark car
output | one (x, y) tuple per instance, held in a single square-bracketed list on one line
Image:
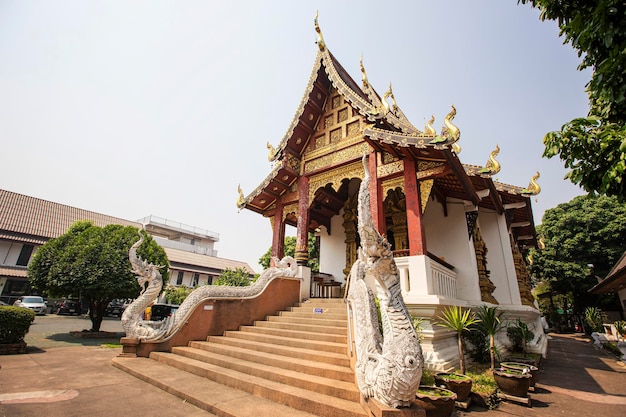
[(161, 311), (69, 306), (114, 309)]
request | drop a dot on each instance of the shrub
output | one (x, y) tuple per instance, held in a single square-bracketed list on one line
[(593, 317), (519, 334), (478, 347), (14, 323)]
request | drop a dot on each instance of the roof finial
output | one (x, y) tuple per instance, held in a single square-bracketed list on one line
[(492, 167), (240, 200), (533, 188), (365, 81), (428, 127), (320, 39), (393, 98)]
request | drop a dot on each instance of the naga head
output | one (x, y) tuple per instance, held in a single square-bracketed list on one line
[(145, 271)]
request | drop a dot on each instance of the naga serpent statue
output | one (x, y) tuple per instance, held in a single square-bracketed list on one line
[(389, 365), (135, 326)]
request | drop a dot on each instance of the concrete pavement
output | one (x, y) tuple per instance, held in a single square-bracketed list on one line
[(77, 379)]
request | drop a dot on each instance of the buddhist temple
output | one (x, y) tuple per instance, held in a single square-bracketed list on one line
[(459, 236)]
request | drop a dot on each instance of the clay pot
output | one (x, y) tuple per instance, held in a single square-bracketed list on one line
[(437, 402), (512, 382), (534, 371), (461, 385)]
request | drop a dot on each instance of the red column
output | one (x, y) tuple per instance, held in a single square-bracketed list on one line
[(278, 236), (376, 200), (415, 229), (302, 237)]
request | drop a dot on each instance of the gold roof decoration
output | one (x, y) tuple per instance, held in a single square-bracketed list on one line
[(492, 167), (394, 106), (428, 127), (533, 188), (383, 109), (450, 134), (240, 200), (271, 156), (320, 39), (542, 242), (364, 74), (456, 148)]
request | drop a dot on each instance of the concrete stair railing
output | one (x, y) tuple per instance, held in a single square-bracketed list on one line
[(292, 364)]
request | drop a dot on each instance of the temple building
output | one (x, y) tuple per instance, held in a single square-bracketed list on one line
[(459, 237)]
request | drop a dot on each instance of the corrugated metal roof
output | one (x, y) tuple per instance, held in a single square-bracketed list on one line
[(197, 260), (41, 218)]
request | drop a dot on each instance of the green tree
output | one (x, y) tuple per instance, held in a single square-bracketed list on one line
[(236, 278), (176, 295), (290, 250), (593, 147), (583, 239), (92, 263), (458, 319)]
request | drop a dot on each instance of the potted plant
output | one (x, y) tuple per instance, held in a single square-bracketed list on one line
[(458, 319), (512, 382), (461, 385), (534, 371), (436, 401)]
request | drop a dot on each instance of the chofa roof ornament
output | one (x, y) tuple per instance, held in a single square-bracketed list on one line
[(320, 39), (533, 188), (450, 134), (492, 167)]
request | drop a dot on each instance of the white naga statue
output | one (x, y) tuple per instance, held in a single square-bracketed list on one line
[(389, 365), (151, 282)]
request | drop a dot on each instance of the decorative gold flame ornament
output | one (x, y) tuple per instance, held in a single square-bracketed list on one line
[(320, 39), (271, 156), (240, 200), (364, 75), (492, 167), (449, 132), (533, 188), (428, 127)]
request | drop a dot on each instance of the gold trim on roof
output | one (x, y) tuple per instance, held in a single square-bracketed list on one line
[(240, 200), (428, 127), (533, 188), (392, 184), (320, 39), (425, 188), (334, 177), (492, 167)]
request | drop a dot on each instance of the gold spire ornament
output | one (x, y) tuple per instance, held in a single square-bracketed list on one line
[(449, 132), (240, 200), (320, 39), (428, 127), (271, 156), (533, 188), (364, 75), (492, 167)]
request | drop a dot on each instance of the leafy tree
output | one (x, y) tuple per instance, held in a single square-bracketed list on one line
[(583, 239), (176, 295), (92, 263), (593, 147), (290, 250), (458, 319), (235, 278)]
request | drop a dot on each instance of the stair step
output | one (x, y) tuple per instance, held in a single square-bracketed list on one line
[(203, 393), (302, 399), (305, 366), (321, 337), (331, 358), (314, 321), (288, 341), (303, 325)]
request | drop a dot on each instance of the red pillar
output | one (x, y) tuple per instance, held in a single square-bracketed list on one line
[(376, 200), (278, 232), (302, 237), (415, 229)]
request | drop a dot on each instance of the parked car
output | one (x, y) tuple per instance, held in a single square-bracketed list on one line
[(161, 311), (2, 303), (115, 308), (33, 302), (69, 306)]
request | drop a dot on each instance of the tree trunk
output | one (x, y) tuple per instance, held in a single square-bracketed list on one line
[(96, 313), (461, 356), (492, 351)]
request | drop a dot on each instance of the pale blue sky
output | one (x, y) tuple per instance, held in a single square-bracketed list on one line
[(132, 108)]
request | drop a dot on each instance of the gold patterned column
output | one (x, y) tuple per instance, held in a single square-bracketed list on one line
[(350, 230), (486, 286), (523, 277)]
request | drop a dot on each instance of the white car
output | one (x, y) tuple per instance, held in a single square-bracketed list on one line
[(34, 302)]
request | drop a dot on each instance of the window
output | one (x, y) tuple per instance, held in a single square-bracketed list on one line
[(25, 253), (196, 278), (209, 280), (179, 280)]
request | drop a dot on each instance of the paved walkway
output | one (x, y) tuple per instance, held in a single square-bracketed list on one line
[(78, 380), (575, 379)]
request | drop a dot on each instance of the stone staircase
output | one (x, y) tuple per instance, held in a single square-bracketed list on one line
[(293, 364)]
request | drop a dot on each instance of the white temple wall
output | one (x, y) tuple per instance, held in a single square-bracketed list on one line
[(333, 248), (499, 258), (447, 238)]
